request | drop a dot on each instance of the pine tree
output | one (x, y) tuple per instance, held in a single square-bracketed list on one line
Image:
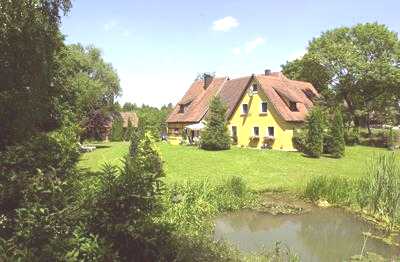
[(315, 134), (337, 134), (215, 134), (117, 129)]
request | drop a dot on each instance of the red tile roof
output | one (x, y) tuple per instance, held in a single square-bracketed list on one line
[(232, 92), (279, 89), (126, 116), (196, 99)]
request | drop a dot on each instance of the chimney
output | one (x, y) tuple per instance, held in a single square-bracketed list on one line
[(207, 80), (267, 72)]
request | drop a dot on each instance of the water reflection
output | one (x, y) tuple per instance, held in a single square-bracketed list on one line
[(321, 235)]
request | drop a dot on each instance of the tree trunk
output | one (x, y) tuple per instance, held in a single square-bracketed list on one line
[(367, 121)]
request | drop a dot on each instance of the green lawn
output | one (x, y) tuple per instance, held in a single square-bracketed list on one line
[(260, 168)]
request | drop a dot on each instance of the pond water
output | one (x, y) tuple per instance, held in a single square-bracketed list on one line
[(319, 235)]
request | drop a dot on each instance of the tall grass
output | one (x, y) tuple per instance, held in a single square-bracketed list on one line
[(378, 191), (336, 189), (191, 205), (189, 208)]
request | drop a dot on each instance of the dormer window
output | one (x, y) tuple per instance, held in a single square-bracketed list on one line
[(181, 109), (254, 88), (293, 106)]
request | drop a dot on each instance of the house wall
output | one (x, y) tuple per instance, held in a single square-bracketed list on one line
[(283, 130), (175, 132)]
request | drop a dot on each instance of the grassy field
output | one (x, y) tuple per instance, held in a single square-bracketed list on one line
[(261, 169)]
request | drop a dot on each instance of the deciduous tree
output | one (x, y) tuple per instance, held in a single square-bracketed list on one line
[(29, 73), (358, 66)]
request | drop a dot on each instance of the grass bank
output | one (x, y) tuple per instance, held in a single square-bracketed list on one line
[(260, 169)]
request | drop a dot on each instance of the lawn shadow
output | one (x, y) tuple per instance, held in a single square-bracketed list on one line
[(102, 146), (322, 156)]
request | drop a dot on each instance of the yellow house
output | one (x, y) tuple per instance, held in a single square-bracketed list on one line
[(263, 110)]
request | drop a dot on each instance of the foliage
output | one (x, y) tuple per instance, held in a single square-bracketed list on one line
[(117, 130), (382, 191), (121, 211), (151, 119), (337, 134), (299, 140), (358, 65), (58, 150), (378, 190), (384, 138), (93, 83), (87, 247), (36, 229), (352, 136), (315, 133), (280, 253), (98, 125), (334, 189), (29, 76), (215, 134), (129, 131), (190, 205), (129, 107), (393, 138)]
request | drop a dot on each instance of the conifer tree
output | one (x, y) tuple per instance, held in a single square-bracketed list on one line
[(215, 135), (117, 129), (129, 131), (315, 133), (337, 134)]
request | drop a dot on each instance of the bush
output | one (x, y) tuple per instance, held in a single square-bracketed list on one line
[(299, 140), (328, 144), (393, 138), (315, 133), (352, 136), (58, 150), (122, 209), (215, 135)]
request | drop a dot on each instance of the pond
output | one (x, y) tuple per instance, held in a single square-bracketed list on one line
[(320, 235)]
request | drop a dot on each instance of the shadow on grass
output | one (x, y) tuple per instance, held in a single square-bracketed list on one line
[(321, 157), (102, 146)]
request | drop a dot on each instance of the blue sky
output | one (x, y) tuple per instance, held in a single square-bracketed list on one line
[(158, 47)]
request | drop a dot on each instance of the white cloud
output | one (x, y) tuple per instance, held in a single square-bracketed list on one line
[(110, 25), (164, 88), (225, 24), (236, 51), (253, 44)]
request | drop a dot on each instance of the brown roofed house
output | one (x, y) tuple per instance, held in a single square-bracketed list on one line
[(262, 110)]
